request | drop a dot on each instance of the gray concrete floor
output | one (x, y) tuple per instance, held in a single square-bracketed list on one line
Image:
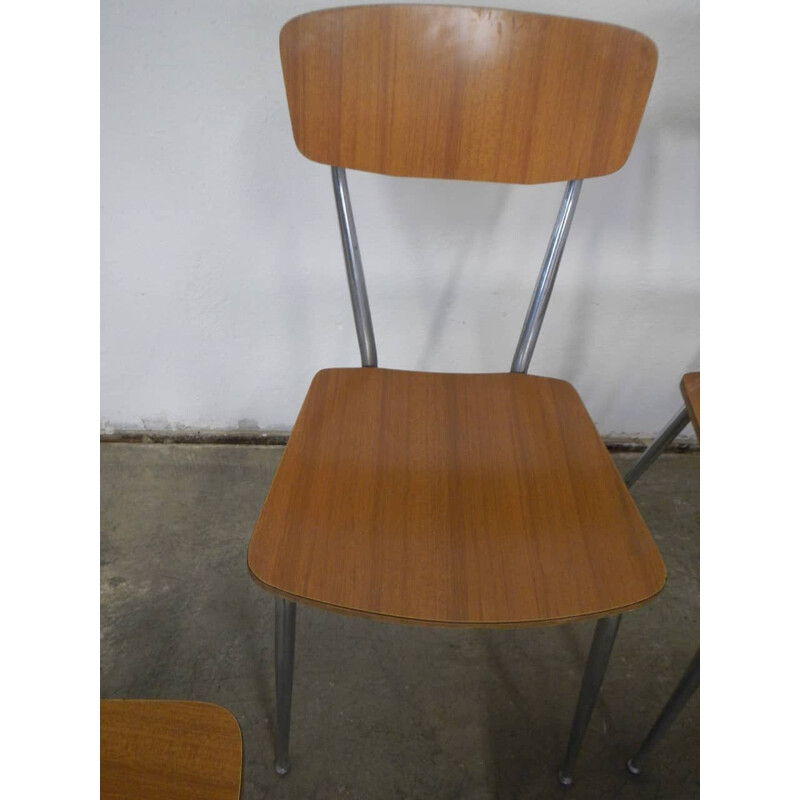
[(382, 710)]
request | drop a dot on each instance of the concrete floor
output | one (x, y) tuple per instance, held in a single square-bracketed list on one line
[(381, 710)]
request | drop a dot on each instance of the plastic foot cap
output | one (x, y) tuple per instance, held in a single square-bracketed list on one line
[(632, 768), (564, 780), (282, 769)]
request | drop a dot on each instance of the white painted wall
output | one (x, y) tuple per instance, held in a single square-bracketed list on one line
[(223, 288)]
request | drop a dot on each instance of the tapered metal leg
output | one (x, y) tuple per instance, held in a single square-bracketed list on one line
[(658, 446), (603, 641), (285, 614), (686, 687)]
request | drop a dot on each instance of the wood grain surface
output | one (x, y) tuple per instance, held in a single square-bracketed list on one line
[(470, 93), (452, 500), (168, 750), (690, 389)]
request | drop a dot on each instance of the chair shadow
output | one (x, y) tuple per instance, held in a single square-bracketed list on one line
[(530, 692)]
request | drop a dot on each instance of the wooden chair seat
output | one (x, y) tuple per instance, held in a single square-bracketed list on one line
[(465, 500), (168, 750)]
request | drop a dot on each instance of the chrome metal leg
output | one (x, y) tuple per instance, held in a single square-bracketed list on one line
[(603, 641), (658, 446), (285, 613), (686, 687)]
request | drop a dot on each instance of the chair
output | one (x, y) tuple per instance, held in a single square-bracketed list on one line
[(482, 500), (690, 680), (168, 750)]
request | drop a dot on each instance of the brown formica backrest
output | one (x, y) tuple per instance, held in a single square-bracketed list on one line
[(469, 93)]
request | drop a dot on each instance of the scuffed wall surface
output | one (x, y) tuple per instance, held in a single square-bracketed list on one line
[(223, 288)]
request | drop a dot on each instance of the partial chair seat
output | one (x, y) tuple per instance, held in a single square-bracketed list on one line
[(690, 389), (465, 500), (168, 750)]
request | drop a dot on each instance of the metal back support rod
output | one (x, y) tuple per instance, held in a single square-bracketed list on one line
[(541, 293), (355, 272), (547, 277)]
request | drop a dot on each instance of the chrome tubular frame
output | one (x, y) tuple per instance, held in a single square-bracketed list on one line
[(539, 300), (285, 616), (547, 277), (686, 687), (658, 446), (355, 272), (602, 643)]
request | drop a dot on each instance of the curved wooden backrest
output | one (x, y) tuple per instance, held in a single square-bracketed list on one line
[(468, 93)]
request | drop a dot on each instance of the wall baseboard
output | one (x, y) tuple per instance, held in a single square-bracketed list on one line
[(636, 445), (189, 436), (614, 444)]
